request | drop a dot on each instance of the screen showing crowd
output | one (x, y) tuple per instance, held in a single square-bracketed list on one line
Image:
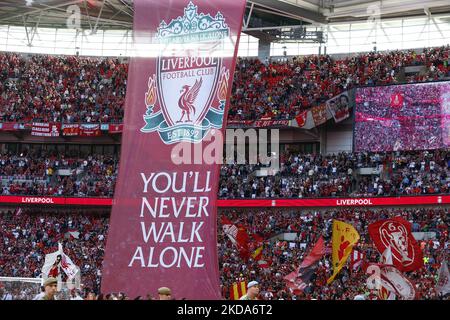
[(402, 117)]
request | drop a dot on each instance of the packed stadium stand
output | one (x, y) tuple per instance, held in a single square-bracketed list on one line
[(57, 188)]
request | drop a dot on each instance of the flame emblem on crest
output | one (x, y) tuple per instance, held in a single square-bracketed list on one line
[(223, 86), (150, 95)]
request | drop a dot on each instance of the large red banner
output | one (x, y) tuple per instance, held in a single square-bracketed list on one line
[(45, 129), (71, 129), (163, 220), (90, 130), (396, 234)]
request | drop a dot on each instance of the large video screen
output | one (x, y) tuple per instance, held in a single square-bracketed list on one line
[(402, 117)]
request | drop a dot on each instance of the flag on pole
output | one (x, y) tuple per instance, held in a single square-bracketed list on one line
[(343, 239), (298, 279), (386, 291), (248, 245), (237, 235), (69, 268), (356, 259), (443, 283)]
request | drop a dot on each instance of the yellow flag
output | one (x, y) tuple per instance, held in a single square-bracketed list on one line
[(343, 239)]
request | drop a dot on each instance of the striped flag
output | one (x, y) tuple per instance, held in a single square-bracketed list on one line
[(237, 290), (356, 259)]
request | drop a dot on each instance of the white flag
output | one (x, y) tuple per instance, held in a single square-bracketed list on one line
[(69, 268), (50, 259), (443, 284), (395, 280), (386, 258)]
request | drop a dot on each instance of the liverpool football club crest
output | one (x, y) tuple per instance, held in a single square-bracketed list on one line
[(186, 97)]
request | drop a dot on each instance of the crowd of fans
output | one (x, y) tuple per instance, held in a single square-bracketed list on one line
[(414, 122), (316, 175), (27, 236), (65, 89), (76, 89), (39, 173), (283, 257), (54, 174), (280, 90)]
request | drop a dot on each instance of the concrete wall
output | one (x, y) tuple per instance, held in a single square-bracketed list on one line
[(337, 137)]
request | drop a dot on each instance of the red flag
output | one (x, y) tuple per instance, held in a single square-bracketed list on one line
[(396, 100), (90, 130), (238, 235), (115, 128), (297, 280), (301, 118), (45, 129), (70, 129), (396, 233)]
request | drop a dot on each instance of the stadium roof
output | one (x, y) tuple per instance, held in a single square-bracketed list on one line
[(118, 14)]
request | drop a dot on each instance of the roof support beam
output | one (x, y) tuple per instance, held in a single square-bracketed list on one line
[(98, 17), (249, 16), (298, 12)]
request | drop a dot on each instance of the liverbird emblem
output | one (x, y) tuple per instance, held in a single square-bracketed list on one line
[(187, 98)]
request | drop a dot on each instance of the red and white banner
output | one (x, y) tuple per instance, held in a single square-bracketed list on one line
[(56, 261), (319, 114), (301, 118), (115, 128), (271, 123), (69, 130), (163, 220), (356, 259), (45, 129), (267, 123), (90, 130), (391, 282), (237, 235), (394, 281), (443, 281), (339, 107), (396, 234), (69, 268)]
